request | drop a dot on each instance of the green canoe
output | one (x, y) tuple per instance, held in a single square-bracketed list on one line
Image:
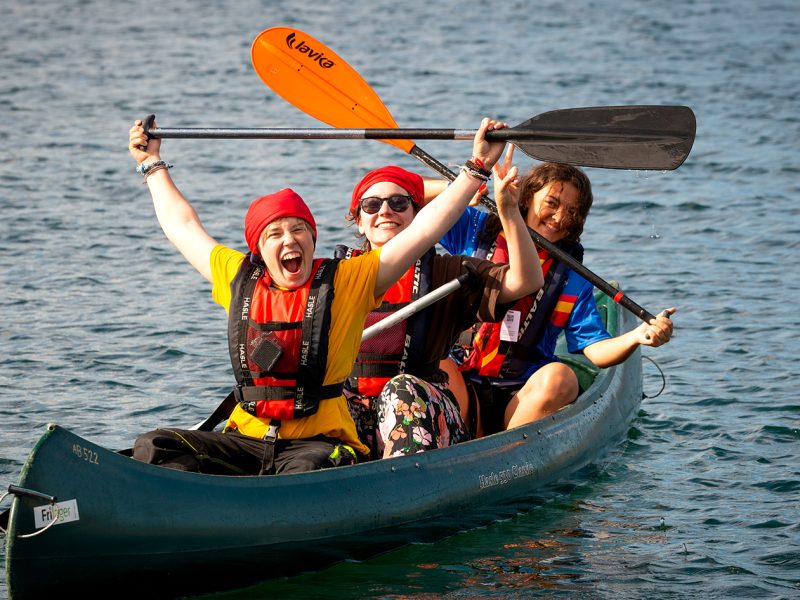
[(127, 528)]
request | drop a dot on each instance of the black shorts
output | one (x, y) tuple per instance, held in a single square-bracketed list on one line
[(492, 396)]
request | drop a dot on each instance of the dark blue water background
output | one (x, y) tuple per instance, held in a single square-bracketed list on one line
[(108, 332)]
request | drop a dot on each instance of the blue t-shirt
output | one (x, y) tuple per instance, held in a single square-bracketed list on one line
[(584, 326)]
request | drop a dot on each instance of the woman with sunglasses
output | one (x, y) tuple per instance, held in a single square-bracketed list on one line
[(397, 393)]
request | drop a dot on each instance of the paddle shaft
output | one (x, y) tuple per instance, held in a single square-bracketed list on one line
[(617, 295), (525, 134), (415, 306)]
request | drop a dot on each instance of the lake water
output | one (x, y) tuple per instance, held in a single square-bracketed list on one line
[(108, 332)]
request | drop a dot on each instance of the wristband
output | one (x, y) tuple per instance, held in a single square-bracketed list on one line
[(143, 169), (479, 167), (474, 172)]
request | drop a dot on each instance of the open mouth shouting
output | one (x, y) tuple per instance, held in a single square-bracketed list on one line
[(292, 262), (287, 247)]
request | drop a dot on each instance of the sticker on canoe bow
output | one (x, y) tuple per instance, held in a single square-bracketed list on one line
[(64, 512)]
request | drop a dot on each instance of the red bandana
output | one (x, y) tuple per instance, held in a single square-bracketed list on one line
[(266, 209)]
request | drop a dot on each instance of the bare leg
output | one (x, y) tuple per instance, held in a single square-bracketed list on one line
[(548, 389)]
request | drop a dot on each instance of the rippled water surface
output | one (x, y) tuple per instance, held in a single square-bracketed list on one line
[(108, 332)]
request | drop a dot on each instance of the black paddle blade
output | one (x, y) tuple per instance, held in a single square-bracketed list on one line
[(610, 137)]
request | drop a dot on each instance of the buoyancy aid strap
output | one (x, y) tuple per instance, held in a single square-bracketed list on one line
[(485, 249), (387, 370), (242, 289), (342, 251), (417, 324), (375, 369), (254, 393), (316, 329), (275, 326), (270, 439)]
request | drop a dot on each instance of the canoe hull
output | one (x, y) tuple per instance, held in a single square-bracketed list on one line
[(142, 528)]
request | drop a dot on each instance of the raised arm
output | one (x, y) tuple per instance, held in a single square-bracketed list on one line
[(434, 186), (177, 217), (524, 271), (436, 217)]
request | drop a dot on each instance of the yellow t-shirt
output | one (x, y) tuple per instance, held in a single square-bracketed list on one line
[(353, 299)]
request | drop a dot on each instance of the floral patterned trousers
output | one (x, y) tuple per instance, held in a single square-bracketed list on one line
[(414, 415)]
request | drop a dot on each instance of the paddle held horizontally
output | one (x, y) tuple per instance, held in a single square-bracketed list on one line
[(585, 136)]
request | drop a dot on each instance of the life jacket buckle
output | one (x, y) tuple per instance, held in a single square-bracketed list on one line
[(237, 393), (271, 436)]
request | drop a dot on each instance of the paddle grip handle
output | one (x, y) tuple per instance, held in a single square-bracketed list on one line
[(147, 125)]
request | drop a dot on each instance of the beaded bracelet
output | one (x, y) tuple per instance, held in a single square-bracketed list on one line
[(478, 166), (474, 173), (154, 169), (478, 162), (146, 169)]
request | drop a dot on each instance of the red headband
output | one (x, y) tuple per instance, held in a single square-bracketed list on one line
[(410, 182), (266, 209)]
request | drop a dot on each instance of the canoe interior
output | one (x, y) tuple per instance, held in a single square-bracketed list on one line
[(143, 528)]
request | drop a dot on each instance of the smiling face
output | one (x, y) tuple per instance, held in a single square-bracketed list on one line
[(554, 210), (287, 247), (386, 223)]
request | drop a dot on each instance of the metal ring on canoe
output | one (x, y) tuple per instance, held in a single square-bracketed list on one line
[(19, 491)]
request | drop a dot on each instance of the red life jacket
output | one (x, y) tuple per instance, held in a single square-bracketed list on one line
[(492, 356), (278, 342), (400, 348)]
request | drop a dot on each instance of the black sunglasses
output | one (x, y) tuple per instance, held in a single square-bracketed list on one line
[(373, 204)]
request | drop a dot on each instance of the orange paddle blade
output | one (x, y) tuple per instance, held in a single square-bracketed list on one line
[(312, 77)]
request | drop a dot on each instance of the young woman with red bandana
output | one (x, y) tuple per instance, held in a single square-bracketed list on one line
[(293, 340), (397, 393)]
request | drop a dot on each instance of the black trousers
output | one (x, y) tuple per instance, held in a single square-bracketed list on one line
[(232, 453)]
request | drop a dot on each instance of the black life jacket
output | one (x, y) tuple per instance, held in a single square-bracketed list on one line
[(400, 348), (278, 342)]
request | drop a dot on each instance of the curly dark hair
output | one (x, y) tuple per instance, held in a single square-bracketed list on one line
[(534, 180)]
